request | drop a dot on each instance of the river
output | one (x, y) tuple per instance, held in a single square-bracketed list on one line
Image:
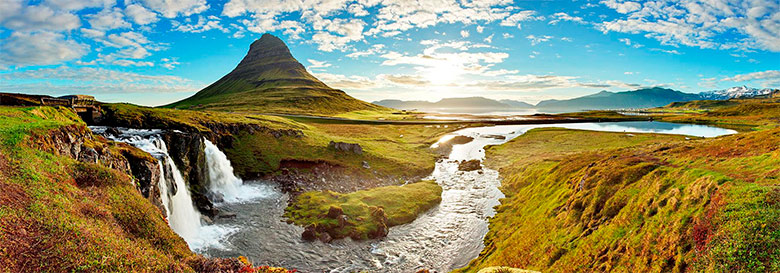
[(442, 239)]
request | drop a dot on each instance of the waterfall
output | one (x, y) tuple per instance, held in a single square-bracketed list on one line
[(221, 177), (180, 211)]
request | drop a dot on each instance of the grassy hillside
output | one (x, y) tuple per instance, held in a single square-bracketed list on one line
[(270, 80), (755, 113), (607, 202)]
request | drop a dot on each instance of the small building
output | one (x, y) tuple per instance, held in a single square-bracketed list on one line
[(76, 100)]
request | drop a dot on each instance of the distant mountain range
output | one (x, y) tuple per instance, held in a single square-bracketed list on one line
[(641, 98), (738, 92)]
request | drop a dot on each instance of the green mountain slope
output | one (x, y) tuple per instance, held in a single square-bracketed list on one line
[(270, 80)]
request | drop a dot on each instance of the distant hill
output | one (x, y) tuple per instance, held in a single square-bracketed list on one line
[(642, 98), (517, 104), (270, 80), (450, 103)]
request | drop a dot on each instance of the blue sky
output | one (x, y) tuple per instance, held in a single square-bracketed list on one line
[(156, 51)]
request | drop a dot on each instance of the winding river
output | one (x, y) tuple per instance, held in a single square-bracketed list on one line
[(442, 239)]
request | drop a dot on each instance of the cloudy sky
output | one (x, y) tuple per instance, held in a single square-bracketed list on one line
[(156, 51)]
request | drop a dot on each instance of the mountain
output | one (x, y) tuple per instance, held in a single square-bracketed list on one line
[(517, 103), (455, 103), (738, 92), (270, 80), (642, 98)]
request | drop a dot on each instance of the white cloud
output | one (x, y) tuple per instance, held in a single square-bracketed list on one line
[(79, 4), (40, 48), (762, 75), (318, 64), (464, 33), (140, 15), (204, 24), (169, 63), (535, 40), (92, 81), (628, 42), (480, 29), (562, 16), (489, 39), (108, 19), (132, 63), (16, 16), (673, 51), (622, 6), (738, 25), (172, 9), (374, 49), (525, 15)]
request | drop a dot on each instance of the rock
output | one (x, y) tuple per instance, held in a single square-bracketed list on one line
[(207, 219), (89, 155), (325, 237), (216, 197), (334, 212), (226, 215), (346, 147), (343, 221), (469, 165), (495, 136), (365, 165), (309, 233), (112, 131)]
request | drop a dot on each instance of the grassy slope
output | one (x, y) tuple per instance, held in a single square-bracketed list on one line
[(366, 209), (753, 113), (57, 214), (389, 149), (702, 205)]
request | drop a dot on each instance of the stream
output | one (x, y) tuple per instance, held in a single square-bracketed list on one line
[(445, 238)]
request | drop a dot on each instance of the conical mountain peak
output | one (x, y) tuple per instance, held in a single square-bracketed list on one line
[(270, 80)]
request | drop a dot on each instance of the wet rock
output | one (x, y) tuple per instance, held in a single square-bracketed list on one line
[(112, 131), (469, 165), (227, 215), (216, 197), (325, 237), (346, 147), (89, 155), (309, 233)]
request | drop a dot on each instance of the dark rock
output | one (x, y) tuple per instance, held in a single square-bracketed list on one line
[(334, 212), (325, 237), (309, 233), (495, 136), (365, 165), (112, 131), (89, 155), (469, 165), (346, 147), (216, 197)]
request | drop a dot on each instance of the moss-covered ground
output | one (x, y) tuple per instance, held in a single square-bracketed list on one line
[(367, 211), (605, 202)]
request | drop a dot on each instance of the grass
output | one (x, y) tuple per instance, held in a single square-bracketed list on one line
[(753, 114), (649, 203), (368, 211), (58, 214)]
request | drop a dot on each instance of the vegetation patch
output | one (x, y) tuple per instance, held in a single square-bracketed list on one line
[(615, 204), (362, 214)]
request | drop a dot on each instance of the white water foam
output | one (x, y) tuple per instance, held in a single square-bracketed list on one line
[(223, 181)]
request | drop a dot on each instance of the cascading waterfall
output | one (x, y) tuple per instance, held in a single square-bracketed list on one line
[(181, 213), (223, 181)]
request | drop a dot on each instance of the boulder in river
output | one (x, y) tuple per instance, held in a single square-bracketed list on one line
[(469, 165)]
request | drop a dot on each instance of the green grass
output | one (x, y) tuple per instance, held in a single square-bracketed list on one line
[(755, 114), (60, 215), (655, 205), (366, 209)]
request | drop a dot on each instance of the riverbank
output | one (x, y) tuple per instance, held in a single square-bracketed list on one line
[(635, 203)]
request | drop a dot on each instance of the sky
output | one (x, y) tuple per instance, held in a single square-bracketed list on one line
[(152, 52)]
